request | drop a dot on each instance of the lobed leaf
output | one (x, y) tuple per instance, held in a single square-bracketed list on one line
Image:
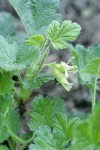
[(8, 54), (59, 35), (44, 111), (87, 134), (36, 15), (27, 55), (93, 67), (67, 127), (46, 139), (38, 81), (36, 40), (86, 59), (14, 58)]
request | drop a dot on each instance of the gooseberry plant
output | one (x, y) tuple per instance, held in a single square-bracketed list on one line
[(22, 63)]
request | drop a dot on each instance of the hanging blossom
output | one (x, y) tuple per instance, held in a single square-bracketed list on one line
[(61, 73)]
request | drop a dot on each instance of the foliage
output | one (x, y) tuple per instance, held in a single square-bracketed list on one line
[(38, 81), (36, 40), (59, 35), (6, 87), (48, 135), (87, 61), (14, 58), (44, 111), (65, 126), (6, 106), (2, 147), (87, 134), (7, 25), (22, 70), (36, 15), (50, 125), (47, 140)]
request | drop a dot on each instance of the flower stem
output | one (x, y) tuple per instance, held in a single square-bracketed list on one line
[(93, 94), (41, 63)]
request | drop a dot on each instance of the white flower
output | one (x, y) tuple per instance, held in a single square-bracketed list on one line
[(61, 73)]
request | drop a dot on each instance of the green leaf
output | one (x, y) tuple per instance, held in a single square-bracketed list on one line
[(8, 27), (16, 138), (26, 135), (14, 123), (6, 84), (36, 15), (27, 55), (7, 24), (83, 58), (87, 134), (36, 40), (93, 67), (59, 35), (6, 106), (83, 139), (3, 147), (43, 140), (59, 140), (8, 54), (44, 111), (67, 127), (38, 81), (24, 94), (47, 140), (80, 114), (14, 58), (4, 135), (19, 38)]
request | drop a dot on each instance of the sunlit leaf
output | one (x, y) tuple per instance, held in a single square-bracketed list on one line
[(67, 127), (3, 147), (46, 139), (93, 67), (36, 40), (59, 35), (6, 84), (36, 15), (87, 134), (44, 111), (38, 81), (14, 58), (85, 59)]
